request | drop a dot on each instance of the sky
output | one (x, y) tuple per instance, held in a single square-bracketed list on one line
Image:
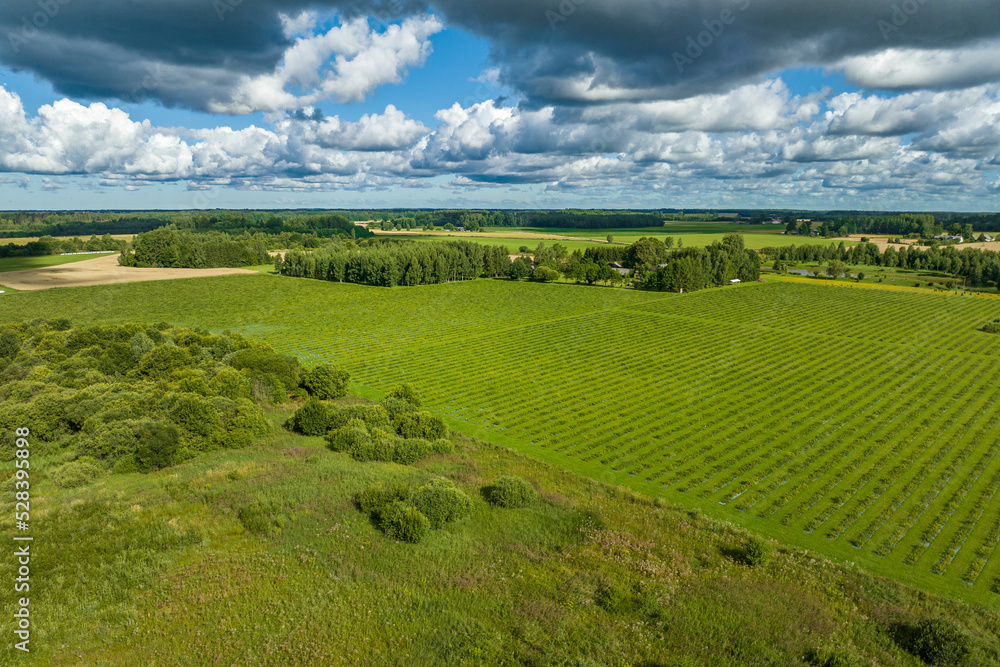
[(178, 104)]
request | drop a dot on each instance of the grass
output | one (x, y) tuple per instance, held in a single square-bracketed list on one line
[(857, 422), (158, 569), (43, 261)]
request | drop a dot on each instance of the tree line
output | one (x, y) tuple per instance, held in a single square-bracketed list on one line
[(980, 267), (48, 245)]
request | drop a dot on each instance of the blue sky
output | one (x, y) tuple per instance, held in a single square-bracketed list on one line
[(709, 103)]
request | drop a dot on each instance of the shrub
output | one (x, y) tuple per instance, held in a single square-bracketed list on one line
[(510, 492), (10, 344), (259, 517), (613, 596), (397, 406), (410, 450), (405, 392), (160, 361), (326, 381), (404, 522), (268, 388), (346, 438), (757, 551), (140, 344), (74, 474), (420, 425), (376, 497), (230, 383), (442, 446), (260, 362), (383, 445), (126, 464), (157, 446), (313, 418), (441, 502), (938, 641), (195, 414)]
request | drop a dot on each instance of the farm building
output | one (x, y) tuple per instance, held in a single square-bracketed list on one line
[(735, 281)]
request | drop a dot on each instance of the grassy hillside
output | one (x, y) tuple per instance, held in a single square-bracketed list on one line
[(859, 423), (259, 556)]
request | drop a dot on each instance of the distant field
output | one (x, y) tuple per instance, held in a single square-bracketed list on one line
[(862, 423), (26, 263), (690, 234)]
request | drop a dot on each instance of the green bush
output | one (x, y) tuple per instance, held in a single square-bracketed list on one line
[(157, 445), (160, 361), (397, 406), (404, 522), (510, 492), (195, 414), (938, 641), (126, 464), (345, 439), (313, 418), (140, 344), (373, 416), (10, 344), (74, 474), (230, 383), (259, 517), (442, 446), (441, 502), (410, 450), (374, 498), (260, 362), (757, 551), (420, 425), (326, 381), (381, 446), (405, 392)]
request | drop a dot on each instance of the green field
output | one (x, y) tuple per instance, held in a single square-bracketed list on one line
[(40, 262), (690, 234), (861, 423)]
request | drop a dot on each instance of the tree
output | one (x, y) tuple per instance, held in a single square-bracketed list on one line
[(836, 269), (326, 381), (611, 238), (861, 276)]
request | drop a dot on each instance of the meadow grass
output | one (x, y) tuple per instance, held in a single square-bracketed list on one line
[(158, 569), (861, 423)]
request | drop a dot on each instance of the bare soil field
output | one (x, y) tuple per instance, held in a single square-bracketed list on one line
[(100, 271)]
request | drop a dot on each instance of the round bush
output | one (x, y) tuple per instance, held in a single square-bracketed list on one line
[(345, 439), (510, 492), (397, 406), (442, 446), (938, 641), (404, 522), (757, 552), (313, 418), (420, 425), (406, 393), (326, 381), (157, 446), (74, 474), (126, 464), (383, 446), (441, 502), (374, 498), (410, 450)]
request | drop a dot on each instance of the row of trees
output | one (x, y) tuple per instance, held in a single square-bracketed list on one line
[(169, 247), (399, 263), (48, 245), (979, 266), (692, 269)]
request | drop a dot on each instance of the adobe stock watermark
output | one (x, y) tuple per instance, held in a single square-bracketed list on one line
[(900, 16), (223, 7), (30, 26), (565, 9), (704, 40)]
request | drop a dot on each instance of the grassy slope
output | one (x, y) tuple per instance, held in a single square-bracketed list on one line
[(475, 330), (24, 263), (158, 569)]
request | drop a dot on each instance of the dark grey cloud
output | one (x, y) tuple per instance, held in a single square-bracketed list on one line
[(552, 51)]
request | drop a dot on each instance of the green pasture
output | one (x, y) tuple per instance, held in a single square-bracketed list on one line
[(43, 261), (163, 569), (861, 423)]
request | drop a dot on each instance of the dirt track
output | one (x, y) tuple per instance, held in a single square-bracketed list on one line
[(100, 271)]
